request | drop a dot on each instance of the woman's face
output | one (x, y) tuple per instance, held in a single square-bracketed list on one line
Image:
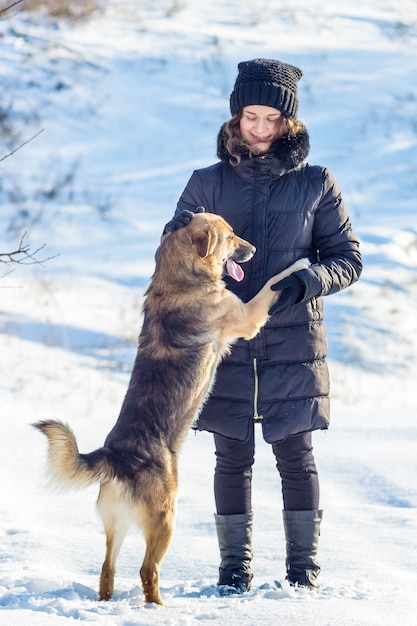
[(260, 126)]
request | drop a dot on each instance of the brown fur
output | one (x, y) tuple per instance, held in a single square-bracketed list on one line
[(190, 321)]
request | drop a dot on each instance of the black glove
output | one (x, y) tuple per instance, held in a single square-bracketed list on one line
[(181, 219), (292, 291)]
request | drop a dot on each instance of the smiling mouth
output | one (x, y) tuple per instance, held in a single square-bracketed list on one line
[(261, 139)]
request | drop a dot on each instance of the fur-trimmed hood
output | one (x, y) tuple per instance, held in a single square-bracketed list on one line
[(290, 151)]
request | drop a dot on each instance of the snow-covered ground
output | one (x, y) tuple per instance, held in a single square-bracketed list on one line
[(129, 103)]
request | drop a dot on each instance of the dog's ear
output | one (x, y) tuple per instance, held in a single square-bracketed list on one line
[(202, 242)]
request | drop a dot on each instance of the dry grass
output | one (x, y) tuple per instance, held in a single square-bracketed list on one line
[(68, 9)]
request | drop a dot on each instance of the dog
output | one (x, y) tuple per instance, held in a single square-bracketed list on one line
[(190, 321)]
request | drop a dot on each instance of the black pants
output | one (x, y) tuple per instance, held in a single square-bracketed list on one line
[(233, 474)]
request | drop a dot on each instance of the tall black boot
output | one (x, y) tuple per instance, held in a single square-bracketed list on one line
[(302, 530), (234, 533)]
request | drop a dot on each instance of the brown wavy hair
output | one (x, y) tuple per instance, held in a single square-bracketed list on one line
[(236, 145)]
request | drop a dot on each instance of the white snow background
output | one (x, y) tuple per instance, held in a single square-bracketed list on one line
[(130, 102)]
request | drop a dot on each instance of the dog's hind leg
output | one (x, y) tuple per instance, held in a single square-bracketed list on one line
[(157, 522), (116, 520)]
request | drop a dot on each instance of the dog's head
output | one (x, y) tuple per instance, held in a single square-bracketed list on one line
[(218, 250)]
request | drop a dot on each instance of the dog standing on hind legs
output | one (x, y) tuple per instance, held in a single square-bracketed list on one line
[(190, 321)]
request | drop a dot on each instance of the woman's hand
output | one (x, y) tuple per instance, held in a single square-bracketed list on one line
[(181, 219), (292, 291)]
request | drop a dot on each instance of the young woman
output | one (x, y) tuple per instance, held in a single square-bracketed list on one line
[(278, 381)]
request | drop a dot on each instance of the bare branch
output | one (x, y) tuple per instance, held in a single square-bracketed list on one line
[(23, 255), (21, 145), (10, 6)]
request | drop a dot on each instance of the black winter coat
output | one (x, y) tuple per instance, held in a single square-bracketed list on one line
[(288, 210)]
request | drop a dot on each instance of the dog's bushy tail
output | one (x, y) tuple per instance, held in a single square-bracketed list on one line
[(67, 468)]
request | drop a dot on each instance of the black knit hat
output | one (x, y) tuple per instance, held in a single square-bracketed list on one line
[(267, 82)]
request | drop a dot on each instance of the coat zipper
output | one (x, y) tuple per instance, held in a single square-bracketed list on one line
[(256, 415)]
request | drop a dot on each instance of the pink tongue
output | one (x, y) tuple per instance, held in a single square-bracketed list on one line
[(234, 270)]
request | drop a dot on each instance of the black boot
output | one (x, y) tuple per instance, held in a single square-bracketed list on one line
[(234, 533), (302, 530)]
